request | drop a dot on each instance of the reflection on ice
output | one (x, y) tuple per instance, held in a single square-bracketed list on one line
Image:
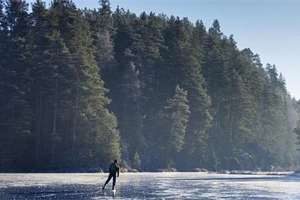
[(149, 186)]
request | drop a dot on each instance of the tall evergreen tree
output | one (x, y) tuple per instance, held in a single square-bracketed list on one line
[(146, 47), (90, 96), (102, 32), (174, 127), (186, 69), (15, 111), (126, 88)]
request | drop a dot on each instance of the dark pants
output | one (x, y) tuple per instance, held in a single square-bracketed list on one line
[(114, 177)]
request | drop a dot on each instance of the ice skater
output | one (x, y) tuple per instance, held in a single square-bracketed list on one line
[(114, 172)]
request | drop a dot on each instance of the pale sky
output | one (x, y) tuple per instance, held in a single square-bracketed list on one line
[(269, 27)]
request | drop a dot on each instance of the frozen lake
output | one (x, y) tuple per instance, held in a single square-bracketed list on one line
[(149, 186)]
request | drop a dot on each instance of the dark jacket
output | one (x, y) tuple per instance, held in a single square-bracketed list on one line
[(114, 169)]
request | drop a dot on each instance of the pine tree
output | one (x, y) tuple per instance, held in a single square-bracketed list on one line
[(175, 119), (51, 71), (182, 59), (88, 103), (15, 111), (103, 35), (146, 46), (126, 88)]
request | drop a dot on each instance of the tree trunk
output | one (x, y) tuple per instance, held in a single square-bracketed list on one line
[(38, 129), (74, 128), (54, 128)]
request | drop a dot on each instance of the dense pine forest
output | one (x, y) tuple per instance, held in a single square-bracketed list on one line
[(81, 87)]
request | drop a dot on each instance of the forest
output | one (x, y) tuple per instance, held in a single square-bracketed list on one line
[(82, 87)]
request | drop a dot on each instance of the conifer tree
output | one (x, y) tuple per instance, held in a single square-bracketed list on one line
[(93, 134), (186, 68), (103, 35), (176, 116), (15, 111), (51, 69)]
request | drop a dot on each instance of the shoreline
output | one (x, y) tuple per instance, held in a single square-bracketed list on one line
[(234, 172)]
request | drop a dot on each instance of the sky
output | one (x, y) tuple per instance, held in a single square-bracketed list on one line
[(268, 27)]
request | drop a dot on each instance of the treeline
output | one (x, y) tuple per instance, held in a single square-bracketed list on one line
[(80, 87)]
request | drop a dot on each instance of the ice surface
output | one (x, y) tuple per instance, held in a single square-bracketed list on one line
[(150, 186)]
